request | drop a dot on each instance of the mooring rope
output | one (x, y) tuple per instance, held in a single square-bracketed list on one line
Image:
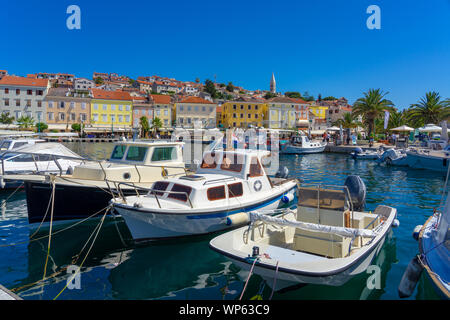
[(274, 281), (248, 278), (51, 225)]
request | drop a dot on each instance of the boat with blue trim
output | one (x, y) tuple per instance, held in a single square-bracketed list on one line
[(227, 185)]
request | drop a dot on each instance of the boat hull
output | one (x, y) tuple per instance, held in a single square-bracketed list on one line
[(153, 225), (427, 162), (71, 202), (289, 279), (289, 149)]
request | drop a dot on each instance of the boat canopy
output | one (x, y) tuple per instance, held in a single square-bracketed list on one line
[(53, 148)]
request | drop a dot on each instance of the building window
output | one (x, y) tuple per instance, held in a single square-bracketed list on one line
[(73, 117), (249, 115), (39, 115), (234, 107), (39, 92), (17, 91), (18, 114), (50, 116), (113, 118), (72, 104), (28, 103), (95, 117), (249, 107), (39, 104), (127, 118), (18, 103), (113, 107), (6, 102), (83, 116), (128, 107), (203, 109), (61, 105), (120, 107), (29, 92), (83, 105), (166, 112), (6, 91), (181, 108), (62, 116), (95, 106), (120, 118), (105, 107)]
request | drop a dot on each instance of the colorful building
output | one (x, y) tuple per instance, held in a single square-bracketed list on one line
[(281, 113), (162, 109), (65, 108), (111, 109), (243, 113), (192, 110)]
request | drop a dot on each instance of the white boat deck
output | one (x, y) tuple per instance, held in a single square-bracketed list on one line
[(5, 294), (290, 256)]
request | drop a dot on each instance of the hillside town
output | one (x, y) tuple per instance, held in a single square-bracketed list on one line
[(111, 104)]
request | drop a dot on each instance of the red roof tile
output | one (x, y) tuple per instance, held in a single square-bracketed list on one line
[(195, 100), (20, 81), (110, 95), (160, 98)]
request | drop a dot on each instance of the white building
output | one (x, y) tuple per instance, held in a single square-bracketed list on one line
[(83, 84), (23, 96)]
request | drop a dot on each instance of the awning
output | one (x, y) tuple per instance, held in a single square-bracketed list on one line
[(302, 123), (59, 126), (317, 132)]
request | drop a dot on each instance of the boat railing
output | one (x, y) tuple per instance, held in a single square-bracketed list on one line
[(150, 191), (84, 160)]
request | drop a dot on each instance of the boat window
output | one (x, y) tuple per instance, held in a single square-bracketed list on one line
[(180, 188), (5, 145), (159, 185), (136, 153), (235, 190), (216, 193), (255, 168), (209, 161), (164, 153), (232, 162), (22, 158), (118, 152), (19, 144)]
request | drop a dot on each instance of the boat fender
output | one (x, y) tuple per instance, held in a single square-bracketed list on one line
[(396, 223), (237, 219), (255, 251), (283, 172), (287, 198), (2, 182), (69, 170), (416, 232), (410, 278)]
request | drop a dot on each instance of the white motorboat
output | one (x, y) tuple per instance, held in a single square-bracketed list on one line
[(394, 157), (325, 241), (360, 154), (302, 145), (435, 160), (226, 186), (11, 144), (40, 158), (137, 163)]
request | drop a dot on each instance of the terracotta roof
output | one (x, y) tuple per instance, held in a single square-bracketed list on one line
[(282, 100), (191, 99), (110, 95), (160, 98), (20, 81), (301, 101)]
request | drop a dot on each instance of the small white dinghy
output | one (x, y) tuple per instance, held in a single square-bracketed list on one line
[(324, 241), (360, 154)]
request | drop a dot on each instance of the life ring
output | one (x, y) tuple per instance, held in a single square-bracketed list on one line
[(257, 185)]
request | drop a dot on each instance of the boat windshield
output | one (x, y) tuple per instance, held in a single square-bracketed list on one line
[(118, 152), (5, 145)]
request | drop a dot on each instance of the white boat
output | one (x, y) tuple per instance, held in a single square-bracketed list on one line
[(302, 145), (323, 242), (11, 144), (435, 160), (39, 158), (360, 154), (137, 163), (226, 185), (394, 157)]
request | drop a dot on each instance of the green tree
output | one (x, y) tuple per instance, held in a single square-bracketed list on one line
[(40, 126), (25, 122), (145, 126), (210, 88), (397, 119), (429, 109), (348, 121), (307, 97), (156, 124), (5, 118), (77, 127), (329, 98), (269, 95), (372, 106), (293, 94), (230, 87), (98, 80)]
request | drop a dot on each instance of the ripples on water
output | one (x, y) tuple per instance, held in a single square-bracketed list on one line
[(188, 269)]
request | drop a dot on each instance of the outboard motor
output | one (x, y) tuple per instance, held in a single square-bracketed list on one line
[(357, 190), (283, 172), (357, 150)]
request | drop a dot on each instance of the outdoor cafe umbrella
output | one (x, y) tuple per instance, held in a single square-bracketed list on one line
[(333, 129), (430, 128), (403, 128)]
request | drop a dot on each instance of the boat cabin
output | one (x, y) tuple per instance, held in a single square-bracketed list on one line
[(136, 161), (303, 141), (222, 179)]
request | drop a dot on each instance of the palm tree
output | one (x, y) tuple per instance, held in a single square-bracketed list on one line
[(25, 122), (5, 118), (143, 121), (156, 124), (397, 119), (429, 109), (348, 121), (372, 106)]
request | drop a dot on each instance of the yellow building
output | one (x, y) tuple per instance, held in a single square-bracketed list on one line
[(111, 109), (281, 113), (320, 112), (243, 113)]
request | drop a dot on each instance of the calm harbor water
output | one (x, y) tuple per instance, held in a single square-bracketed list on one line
[(188, 269)]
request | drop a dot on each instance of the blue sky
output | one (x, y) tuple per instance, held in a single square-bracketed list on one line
[(319, 46)]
